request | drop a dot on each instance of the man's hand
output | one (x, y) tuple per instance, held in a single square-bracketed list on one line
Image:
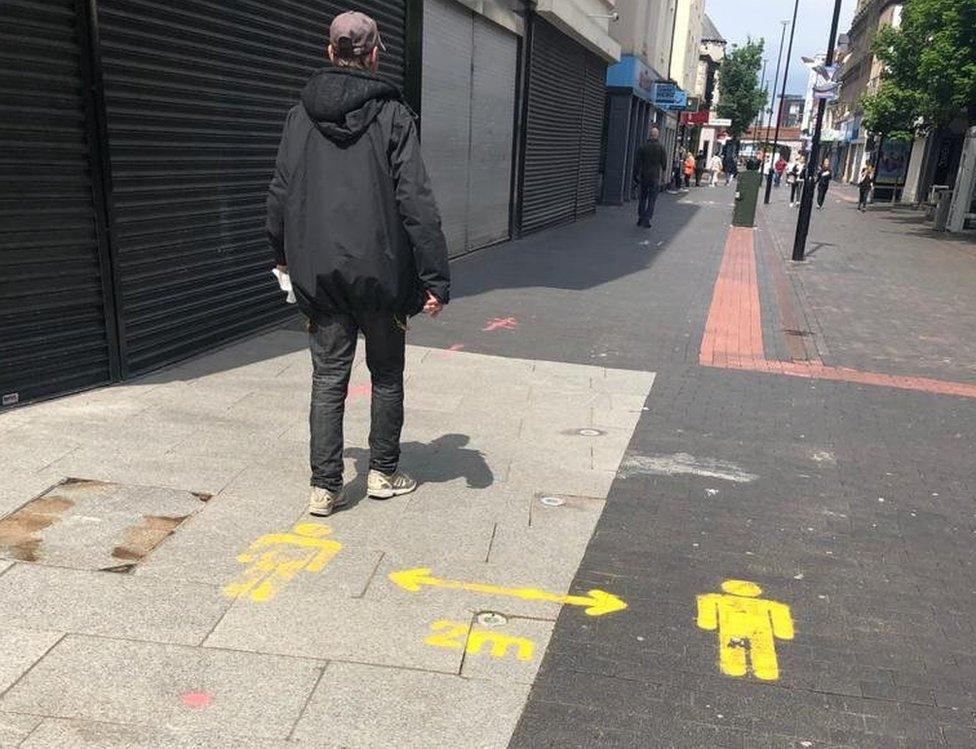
[(282, 268), (432, 306)]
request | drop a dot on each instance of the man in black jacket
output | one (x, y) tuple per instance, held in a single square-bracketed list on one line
[(650, 162), (352, 219)]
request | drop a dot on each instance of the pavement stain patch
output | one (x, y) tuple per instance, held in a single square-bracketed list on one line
[(20, 532), (142, 538), (97, 525)]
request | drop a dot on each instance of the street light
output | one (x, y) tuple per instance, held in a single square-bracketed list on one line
[(769, 120), (757, 123), (786, 75), (806, 198)]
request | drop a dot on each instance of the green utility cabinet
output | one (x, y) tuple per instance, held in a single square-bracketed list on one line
[(746, 198)]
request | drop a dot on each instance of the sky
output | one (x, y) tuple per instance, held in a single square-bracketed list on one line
[(738, 19)]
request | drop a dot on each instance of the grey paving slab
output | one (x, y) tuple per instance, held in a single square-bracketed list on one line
[(127, 465), (167, 686), (509, 652), (20, 649), (94, 525), (23, 450), (205, 547), (540, 546), (307, 620), (105, 603), (15, 728), (365, 706), (19, 487), (549, 477), (82, 734)]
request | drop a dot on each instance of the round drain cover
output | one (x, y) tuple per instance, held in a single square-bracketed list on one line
[(491, 619), (589, 433)]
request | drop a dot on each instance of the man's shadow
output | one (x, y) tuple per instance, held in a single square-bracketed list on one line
[(444, 459)]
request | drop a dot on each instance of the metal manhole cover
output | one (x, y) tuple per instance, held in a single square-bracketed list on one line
[(585, 432), (491, 619), (95, 525)]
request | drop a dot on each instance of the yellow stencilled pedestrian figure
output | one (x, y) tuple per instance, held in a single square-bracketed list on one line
[(276, 558), (748, 627)]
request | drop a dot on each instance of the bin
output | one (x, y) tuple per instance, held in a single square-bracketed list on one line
[(746, 199)]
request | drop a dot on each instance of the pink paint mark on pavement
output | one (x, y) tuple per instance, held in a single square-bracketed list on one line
[(500, 323), (196, 699), (359, 390), (449, 351)]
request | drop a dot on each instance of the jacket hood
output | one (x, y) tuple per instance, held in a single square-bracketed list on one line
[(343, 102)]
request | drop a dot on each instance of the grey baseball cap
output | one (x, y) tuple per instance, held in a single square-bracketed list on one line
[(354, 33)]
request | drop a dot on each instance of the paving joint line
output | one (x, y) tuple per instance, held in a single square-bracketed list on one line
[(372, 576), (308, 700), (43, 655)]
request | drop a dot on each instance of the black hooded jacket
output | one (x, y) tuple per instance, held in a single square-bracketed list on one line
[(350, 208)]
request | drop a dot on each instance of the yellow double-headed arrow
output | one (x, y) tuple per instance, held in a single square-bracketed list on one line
[(597, 602)]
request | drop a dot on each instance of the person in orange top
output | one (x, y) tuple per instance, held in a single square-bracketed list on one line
[(689, 168)]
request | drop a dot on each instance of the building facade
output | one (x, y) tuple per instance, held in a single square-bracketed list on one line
[(711, 52), (652, 84), (860, 74), (150, 129), (791, 110)]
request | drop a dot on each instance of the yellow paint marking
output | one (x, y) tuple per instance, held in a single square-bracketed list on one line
[(460, 635), (597, 602), (748, 626), (276, 558)]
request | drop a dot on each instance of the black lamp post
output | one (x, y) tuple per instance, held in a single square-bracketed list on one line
[(806, 199), (769, 120), (786, 75)]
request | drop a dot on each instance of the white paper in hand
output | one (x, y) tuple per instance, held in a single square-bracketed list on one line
[(284, 283)]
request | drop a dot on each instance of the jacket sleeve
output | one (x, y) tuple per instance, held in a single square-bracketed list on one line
[(277, 191), (638, 163), (417, 207)]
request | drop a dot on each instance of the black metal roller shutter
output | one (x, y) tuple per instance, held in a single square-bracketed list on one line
[(591, 133), (564, 123), (53, 333), (196, 93)]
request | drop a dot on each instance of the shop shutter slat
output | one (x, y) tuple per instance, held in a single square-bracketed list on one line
[(591, 136), (196, 94), (446, 108), (53, 336), (564, 121), (492, 129)]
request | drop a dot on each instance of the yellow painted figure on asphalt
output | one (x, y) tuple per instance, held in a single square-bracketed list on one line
[(275, 558), (748, 627)]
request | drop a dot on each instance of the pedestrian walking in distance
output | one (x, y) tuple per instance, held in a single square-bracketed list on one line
[(701, 162), (823, 182), (729, 166), (689, 168), (714, 168), (864, 184), (778, 168), (352, 218), (795, 175), (649, 166)]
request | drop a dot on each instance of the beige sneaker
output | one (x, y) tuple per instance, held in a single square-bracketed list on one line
[(381, 486), (323, 503)]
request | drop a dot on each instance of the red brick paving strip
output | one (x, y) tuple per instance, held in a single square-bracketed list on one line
[(733, 331)]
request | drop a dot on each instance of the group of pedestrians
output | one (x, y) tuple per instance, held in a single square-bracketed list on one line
[(650, 166)]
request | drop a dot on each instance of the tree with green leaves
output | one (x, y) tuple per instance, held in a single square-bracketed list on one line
[(930, 68), (740, 97)]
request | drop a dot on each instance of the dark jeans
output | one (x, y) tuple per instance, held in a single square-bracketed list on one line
[(821, 193), (333, 345), (648, 197), (862, 196), (795, 189)]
